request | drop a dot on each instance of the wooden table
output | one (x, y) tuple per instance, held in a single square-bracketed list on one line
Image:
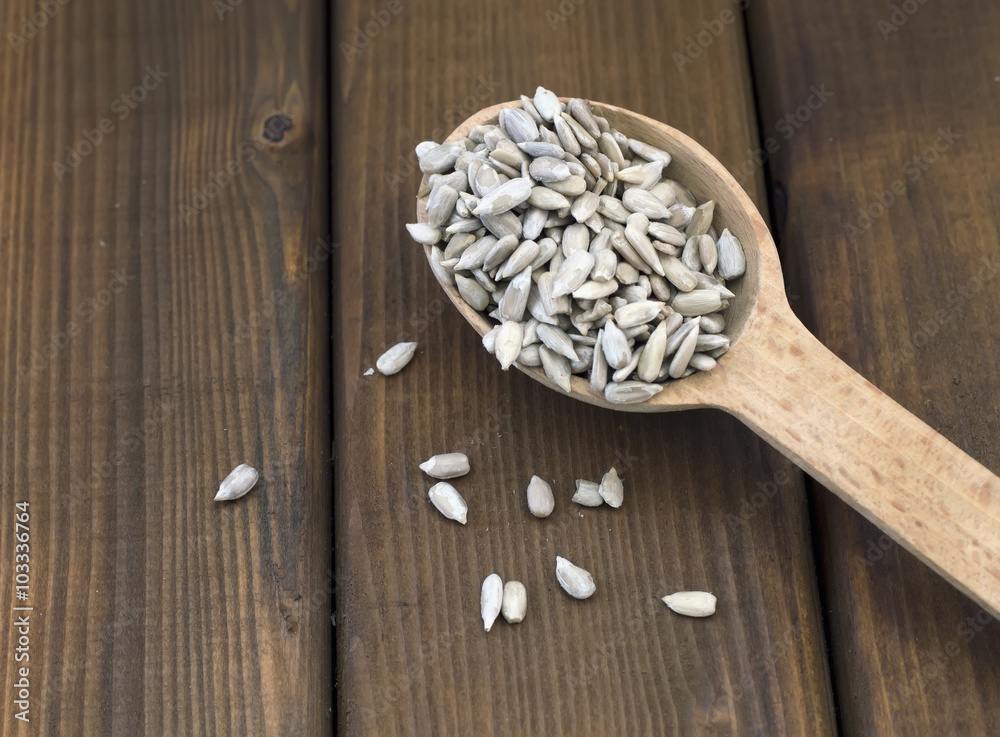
[(234, 191)]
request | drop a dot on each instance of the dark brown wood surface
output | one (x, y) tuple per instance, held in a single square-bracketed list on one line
[(707, 504), (906, 294), (152, 338)]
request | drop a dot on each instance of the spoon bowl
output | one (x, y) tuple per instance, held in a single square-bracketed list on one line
[(924, 492)]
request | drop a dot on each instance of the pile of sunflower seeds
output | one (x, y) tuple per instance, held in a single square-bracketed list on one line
[(568, 234)]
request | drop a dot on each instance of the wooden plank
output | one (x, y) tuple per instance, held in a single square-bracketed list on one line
[(707, 506), (161, 324), (904, 294)]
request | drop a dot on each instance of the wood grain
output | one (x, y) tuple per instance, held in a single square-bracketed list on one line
[(911, 655), (147, 349), (707, 504)]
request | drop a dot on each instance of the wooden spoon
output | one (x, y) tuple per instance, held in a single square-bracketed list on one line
[(924, 492)]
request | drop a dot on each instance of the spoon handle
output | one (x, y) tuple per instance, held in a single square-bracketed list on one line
[(925, 493)]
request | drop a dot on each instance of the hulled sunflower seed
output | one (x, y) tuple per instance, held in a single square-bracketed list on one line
[(541, 501), (580, 110), (567, 138), (522, 258), (491, 600), (612, 490), (587, 494), (508, 343), (732, 260), (557, 340), (691, 603), (506, 197), (637, 313), (515, 602), (238, 483), (651, 360), (395, 359), (446, 465), (515, 299), (631, 392), (679, 363), (424, 233), (701, 219), (599, 367), (471, 291), (616, 348), (573, 272), (448, 501), (702, 362), (548, 169), (650, 153), (697, 302), (556, 367), (547, 104), (639, 200), (574, 580)]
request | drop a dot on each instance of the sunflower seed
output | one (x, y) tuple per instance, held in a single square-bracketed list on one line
[(667, 234), (547, 199), (567, 138), (650, 153), (580, 110), (691, 603), (529, 356), (395, 359), (506, 197), (446, 465), (575, 238), (599, 367), (586, 141), (557, 340), (548, 169), (616, 348), (636, 235), (713, 323), (574, 580), (537, 149), (441, 158), (522, 258), (571, 186), (610, 148), (515, 299), (424, 233), (613, 209), (639, 200), (625, 371), (556, 367), (605, 265), (697, 302), (612, 491), (448, 501), (500, 252), (679, 363), (541, 501), (702, 362), (651, 360), (443, 273), (595, 290), (490, 600), (708, 282), (584, 361), (631, 392), (701, 219), (515, 602), (587, 494), (508, 343), (572, 273), (584, 206), (732, 260), (547, 104), (238, 483), (637, 313)]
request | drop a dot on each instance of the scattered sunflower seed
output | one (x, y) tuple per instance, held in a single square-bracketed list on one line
[(515, 601), (541, 501), (446, 465), (587, 494), (574, 580), (611, 489), (395, 359), (448, 501), (691, 603), (491, 600), (239, 481)]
